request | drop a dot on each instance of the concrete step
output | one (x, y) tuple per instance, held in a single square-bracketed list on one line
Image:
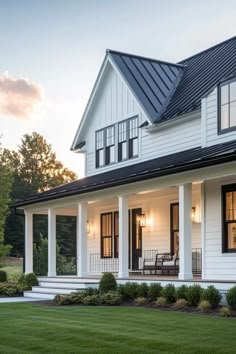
[(56, 284), (39, 295), (69, 280), (53, 290)]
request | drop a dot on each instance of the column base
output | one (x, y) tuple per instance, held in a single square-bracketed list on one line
[(123, 275), (52, 274), (185, 276), (82, 275)]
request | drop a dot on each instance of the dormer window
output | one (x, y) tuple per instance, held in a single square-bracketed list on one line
[(227, 106)]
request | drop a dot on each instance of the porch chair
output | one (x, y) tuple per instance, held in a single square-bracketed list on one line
[(150, 264), (171, 265)]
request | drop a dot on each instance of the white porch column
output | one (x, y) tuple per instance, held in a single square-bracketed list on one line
[(203, 227), (82, 265), (51, 243), (185, 231), (28, 242), (123, 237)]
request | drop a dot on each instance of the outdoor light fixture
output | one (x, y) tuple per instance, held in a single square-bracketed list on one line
[(88, 227), (142, 220), (193, 214)]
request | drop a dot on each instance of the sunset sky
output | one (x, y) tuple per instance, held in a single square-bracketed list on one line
[(51, 51)]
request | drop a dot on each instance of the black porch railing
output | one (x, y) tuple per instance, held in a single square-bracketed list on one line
[(65, 264)]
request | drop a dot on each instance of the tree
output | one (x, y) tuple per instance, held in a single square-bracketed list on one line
[(34, 168), (5, 183)]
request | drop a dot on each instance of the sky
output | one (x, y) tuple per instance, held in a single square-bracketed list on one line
[(51, 52)]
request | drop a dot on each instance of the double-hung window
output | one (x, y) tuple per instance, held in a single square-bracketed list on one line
[(229, 218), (105, 146), (128, 139), (227, 106)]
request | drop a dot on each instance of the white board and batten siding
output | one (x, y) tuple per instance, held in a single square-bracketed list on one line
[(209, 131), (116, 102)]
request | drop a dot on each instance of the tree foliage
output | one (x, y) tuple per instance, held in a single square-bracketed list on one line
[(34, 168)]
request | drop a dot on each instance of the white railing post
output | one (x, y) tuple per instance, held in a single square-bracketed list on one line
[(28, 242), (123, 237), (185, 231), (51, 243), (82, 263)]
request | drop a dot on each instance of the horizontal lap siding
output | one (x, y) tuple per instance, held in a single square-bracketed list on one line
[(218, 266)]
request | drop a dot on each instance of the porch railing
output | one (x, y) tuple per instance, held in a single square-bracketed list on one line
[(100, 265)]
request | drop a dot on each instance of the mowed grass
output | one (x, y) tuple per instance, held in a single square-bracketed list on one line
[(33, 328)]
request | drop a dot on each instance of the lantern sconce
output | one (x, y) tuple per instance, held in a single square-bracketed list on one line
[(88, 227), (193, 215), (142, 220)]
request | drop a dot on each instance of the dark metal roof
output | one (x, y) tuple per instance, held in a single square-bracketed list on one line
[(175, 163), (166, 90), (152, 81)]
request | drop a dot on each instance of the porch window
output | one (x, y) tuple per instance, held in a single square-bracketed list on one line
[(105, 146), (227, 106), (116, 234), (128, 139), (106, 235), (229, 218)]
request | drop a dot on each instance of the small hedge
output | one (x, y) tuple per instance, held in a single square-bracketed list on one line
[(82, 298), (231, 297), (3, 276), (181, 292), (10, 289), (128, 291), (194, 293), (107, 283), (168, 292), (212, 295), (154, 291)]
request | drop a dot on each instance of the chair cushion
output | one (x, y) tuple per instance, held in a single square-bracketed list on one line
[(149, 263), (168, 263)]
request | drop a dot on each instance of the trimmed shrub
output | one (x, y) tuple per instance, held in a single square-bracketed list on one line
[(89, 292), (194, 294), (204, 306), (111, 298), (181, 304), (225, 311), (29, 280), (212, 295), (142, 290), (128, 291), (161, 301), (10, 289), (92, 300), (154, 291), (77, 298), (140, 301), (231, 297), (181, 292), (107, 283), (3, 276), (169, 292), (62, 300)]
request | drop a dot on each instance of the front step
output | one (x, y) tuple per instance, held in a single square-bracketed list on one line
[(39, 295), (56, 284), (54, 290)]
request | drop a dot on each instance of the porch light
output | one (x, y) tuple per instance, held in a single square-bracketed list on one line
[(88, 227), (193, 214), (142, 220)]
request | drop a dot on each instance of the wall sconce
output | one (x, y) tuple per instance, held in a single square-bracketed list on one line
[(142, 220), (88, 227), (193, 215)]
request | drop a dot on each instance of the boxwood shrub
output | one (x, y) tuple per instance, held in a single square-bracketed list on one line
[(231, 297), (107, 283), (181, 292), (142, 290), (194, 293), (154, 291), (168, 292), (212, 295)]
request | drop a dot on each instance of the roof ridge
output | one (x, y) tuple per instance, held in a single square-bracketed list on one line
[(207, 49), (144, 58)]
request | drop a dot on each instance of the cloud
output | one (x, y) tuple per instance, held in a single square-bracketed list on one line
[(19, 97)]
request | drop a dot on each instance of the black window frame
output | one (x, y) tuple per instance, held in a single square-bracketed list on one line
[(115, 235), (229, 129), (110, 236), (225, 189), (105, 148), (128, 140)]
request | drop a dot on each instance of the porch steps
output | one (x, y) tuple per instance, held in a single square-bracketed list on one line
[(49, 287)]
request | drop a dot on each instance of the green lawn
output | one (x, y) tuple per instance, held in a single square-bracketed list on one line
[(31, 328)]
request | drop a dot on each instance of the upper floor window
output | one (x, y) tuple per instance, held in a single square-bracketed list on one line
[(227, 109), (128, 139), (105, 146), (112, 146)]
